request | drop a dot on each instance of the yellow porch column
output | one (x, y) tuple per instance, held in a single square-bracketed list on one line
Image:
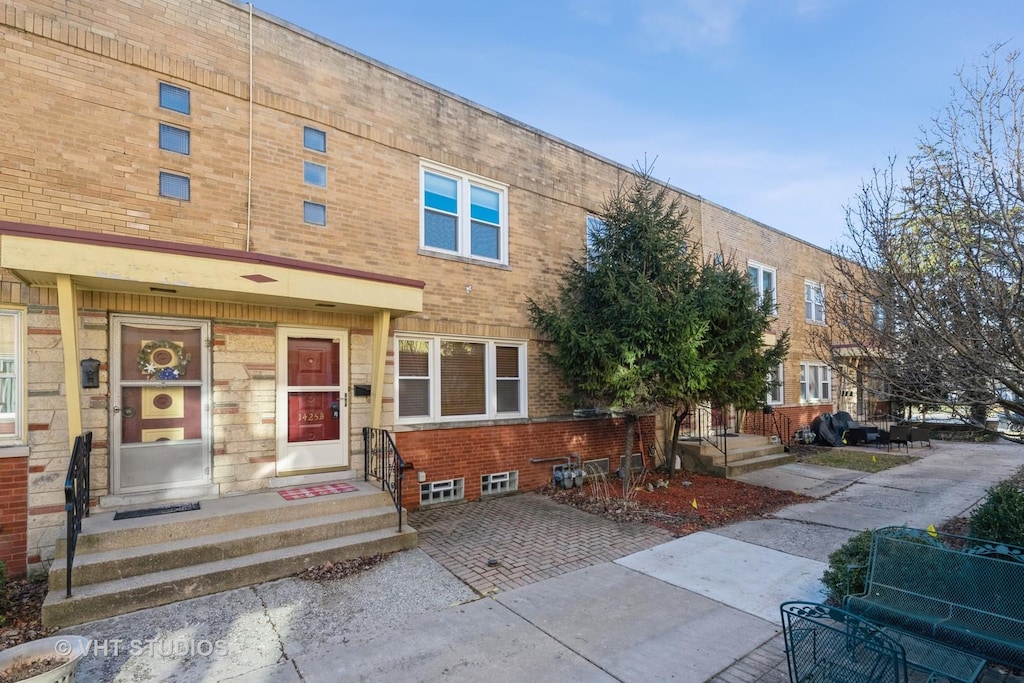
[(68, 305), (381, 326)]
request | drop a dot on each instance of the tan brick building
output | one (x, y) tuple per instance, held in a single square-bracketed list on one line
[(270, 242)]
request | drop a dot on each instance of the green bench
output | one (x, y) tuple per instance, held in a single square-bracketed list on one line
[(959, 592), (826, 644)]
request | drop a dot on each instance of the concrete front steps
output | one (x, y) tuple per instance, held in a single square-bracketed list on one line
[(746, 453), (131, 564)]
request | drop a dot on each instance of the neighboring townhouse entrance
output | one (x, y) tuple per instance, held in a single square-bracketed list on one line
[(160, 403), (312, 424)]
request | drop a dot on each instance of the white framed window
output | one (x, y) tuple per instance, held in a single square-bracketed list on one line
[(175, 186), (176, 99), (12, 377), (776, 392), (595, 228), (314, 139), (174, 139), (463, 215), (814, 302), (815, 382), (762, 280), (443, 379), (442, 491), (878, 315)]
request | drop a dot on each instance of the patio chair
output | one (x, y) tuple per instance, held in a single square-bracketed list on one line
[(882, 439), (900, 435), (922, 435)]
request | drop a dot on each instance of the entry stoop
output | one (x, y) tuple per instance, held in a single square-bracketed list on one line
[(747, 453), (131, 564)]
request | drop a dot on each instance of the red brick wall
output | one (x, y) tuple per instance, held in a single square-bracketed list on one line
[(799, 416), (475, 451), (14, 514)]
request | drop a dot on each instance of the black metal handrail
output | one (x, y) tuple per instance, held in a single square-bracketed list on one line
[(76, 496), (773, 423), (700, 424), (382, 461)]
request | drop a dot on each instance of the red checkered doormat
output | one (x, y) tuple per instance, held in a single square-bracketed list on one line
[(318, 490)]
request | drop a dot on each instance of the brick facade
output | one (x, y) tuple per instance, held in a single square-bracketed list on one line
[(14, 514), (103, 63)]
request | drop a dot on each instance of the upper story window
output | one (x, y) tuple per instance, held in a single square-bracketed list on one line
[(762, 279), (443, 379), (464, 215), (776, 395), (314, 139), (314, 214), (175, 186), (595, 228), (815, 382), (12, 374), (174, 98), (314, 174), (878, 315), (174, 139), (814, 302)]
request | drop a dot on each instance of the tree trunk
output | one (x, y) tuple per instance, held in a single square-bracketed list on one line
[(678, 415), (627, 462)]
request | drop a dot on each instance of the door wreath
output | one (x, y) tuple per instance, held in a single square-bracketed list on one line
[(163, 359)]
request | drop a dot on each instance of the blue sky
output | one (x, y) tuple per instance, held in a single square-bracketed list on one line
[(776, 109)]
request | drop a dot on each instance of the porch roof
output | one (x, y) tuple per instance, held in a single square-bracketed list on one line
[(37, 255)]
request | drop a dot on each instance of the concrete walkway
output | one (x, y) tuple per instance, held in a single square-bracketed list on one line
[(698, 608)]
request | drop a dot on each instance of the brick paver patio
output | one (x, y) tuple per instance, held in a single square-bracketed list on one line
[(530, 536)]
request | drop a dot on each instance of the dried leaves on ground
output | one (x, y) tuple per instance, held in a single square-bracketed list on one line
[(21, 618), (686, 503), (339, 570)]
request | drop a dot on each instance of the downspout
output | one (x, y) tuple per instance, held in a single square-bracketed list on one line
[(248, 201)]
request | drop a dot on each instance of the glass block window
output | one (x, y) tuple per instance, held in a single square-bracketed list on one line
[(499, 482), (174, 139), (464, 215), (314, 214), (314, 174), (442, 491), (174, 98), (314, 139), (174, 186)]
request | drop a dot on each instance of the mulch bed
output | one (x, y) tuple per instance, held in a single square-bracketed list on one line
[(684, 504), (21, 613)]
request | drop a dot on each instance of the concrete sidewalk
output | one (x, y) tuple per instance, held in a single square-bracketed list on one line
[(698, 608)]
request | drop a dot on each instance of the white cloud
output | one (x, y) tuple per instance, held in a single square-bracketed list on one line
[(691, 25)]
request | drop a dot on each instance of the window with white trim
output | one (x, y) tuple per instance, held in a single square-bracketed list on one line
[(12, 374), (463, 215), (815, 382), (878, 315), (595, 228), (762, 279), (776, 394), (444, 379), (814, 302)]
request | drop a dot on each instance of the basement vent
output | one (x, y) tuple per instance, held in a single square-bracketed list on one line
[(595, 466), (432, 492), (636, 462), (499, 482)]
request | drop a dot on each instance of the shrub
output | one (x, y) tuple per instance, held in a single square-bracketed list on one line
[(1001, 517), (839, 578)]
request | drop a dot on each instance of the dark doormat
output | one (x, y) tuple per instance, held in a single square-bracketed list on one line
[(149, 512)]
